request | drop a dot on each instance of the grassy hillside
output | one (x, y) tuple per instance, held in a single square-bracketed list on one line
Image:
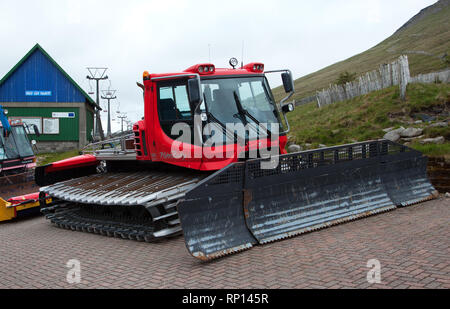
[(364, 118), (425, 39)]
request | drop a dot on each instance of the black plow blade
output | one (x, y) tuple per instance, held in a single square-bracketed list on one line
[(212, 218), (405, 178), (297, 199), (244, 204)]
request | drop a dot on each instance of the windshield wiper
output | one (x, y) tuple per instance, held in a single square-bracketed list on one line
[(224, 128), (243, 112)]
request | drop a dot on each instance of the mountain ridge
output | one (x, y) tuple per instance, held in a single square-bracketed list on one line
[(425, 39)]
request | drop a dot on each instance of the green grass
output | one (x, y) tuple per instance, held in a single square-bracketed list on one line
[(47, 158), (434, 150), (364, 118), (430, 34)]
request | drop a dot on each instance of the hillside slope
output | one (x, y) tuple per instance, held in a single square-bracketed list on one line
[(365, 118), (425, 39)]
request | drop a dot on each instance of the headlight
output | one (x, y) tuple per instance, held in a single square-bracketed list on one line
[(287, 108)]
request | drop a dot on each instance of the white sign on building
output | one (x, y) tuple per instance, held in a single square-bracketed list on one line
[(63, 115), (51, 125)]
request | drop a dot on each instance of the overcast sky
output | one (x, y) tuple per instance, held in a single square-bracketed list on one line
[(131, 36)]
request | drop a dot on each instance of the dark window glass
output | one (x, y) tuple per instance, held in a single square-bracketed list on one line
[(15, 145), (9, 147), (174, 103), (22, 141), (254, 95), (174, 107)]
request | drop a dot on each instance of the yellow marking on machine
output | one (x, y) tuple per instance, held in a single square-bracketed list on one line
[(6, 211)]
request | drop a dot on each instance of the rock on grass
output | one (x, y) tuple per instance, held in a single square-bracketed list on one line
[(411, 132), (438, 140)]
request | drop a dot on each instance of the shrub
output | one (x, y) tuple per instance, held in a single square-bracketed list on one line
[(345, 77)]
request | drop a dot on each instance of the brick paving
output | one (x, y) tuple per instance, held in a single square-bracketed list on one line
[(412, 245)]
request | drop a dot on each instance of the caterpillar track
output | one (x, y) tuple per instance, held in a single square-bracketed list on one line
[(137, 206)]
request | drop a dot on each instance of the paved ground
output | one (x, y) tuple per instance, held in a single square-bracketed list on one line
[(412, 245)]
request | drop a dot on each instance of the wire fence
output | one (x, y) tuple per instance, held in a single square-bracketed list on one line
[(390, 74)]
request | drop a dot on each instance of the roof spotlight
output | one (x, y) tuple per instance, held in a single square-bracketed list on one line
[(234, 62)]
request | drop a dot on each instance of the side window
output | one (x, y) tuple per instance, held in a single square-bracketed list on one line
[(166, 93), (174, 107), (174, 103), (182, 101)]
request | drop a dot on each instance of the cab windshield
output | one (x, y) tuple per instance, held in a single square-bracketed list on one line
[(223, 97), (16, 145)]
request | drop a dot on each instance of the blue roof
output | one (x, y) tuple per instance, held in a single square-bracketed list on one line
[(38, 78)]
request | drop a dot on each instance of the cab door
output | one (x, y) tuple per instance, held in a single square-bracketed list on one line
[(174, 112)]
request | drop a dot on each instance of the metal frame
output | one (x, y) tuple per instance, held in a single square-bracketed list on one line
[(285, 99), (178, 76), (119, 152)]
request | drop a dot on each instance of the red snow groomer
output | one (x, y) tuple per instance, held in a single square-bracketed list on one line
[(190, 168)]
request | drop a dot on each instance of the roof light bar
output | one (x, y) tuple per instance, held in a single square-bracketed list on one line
[(255, 67), (202, 69)]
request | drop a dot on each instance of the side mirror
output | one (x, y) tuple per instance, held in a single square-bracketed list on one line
[(288, 83), (195, 92), (36, 130)]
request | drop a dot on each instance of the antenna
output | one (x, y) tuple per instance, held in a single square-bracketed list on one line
[(242, 61)]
